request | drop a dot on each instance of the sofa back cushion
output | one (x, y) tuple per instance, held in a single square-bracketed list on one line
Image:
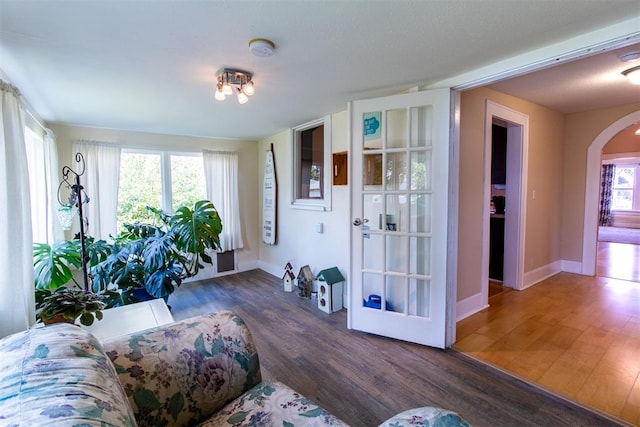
[(180, 374), (59, 375)]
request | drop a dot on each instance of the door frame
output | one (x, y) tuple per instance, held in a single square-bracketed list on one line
[(585, 45), (515, 212), (592, 190)]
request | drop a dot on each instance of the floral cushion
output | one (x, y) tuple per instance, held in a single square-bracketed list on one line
[(180, 374), (272, 404), (427, 416), (59, 375)]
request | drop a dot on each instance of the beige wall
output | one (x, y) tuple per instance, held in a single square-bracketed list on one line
[(625, 141), (580, 131), (544, 175), (247, 159)]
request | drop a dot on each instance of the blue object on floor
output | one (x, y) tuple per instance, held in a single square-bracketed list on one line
[(375, 301)]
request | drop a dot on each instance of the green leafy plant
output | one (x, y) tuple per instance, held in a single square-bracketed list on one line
[(155, 257), (158, 257), (66, 304), (52, 263)]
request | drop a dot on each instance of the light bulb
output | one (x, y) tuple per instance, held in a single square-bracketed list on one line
[(219, 95), (242, 98), (633, 74), (227, 89), (249, 89)]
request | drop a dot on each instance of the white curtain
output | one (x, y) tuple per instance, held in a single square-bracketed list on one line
[(17, 304), (42, 158), (53, 181), (221, 176), (100, 182)]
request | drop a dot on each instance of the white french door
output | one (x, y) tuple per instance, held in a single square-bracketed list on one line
[(400, 147)]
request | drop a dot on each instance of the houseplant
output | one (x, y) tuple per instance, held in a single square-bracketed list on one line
[(144, 258), (66, 304)]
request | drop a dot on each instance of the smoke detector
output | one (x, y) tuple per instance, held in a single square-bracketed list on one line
[(262, 48)]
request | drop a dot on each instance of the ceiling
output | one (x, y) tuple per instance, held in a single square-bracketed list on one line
[(150, 66)]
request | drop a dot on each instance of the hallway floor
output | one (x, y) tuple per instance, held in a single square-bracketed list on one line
[(574, 335)]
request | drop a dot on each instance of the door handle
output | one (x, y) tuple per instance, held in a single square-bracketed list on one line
[(358, 222)]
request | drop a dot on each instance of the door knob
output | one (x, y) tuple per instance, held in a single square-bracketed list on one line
[(358, 222)]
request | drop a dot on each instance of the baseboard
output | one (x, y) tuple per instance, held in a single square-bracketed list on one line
[(469, 306), (210, 272), (539, 274), (276, 270), (571, 266)]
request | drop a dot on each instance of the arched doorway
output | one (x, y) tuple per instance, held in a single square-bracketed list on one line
[(592, 185)]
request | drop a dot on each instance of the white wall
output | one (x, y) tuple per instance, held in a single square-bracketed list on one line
[(297, 239), (247, 258)]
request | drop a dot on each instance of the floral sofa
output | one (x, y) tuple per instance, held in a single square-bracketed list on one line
[(201, 371)]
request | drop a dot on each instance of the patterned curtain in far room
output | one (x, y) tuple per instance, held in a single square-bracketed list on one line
[(606, 185)]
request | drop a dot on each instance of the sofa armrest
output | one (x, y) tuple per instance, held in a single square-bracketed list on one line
[(180, 374)]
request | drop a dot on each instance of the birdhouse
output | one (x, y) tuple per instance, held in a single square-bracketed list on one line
[(305, 282), (330, 289), (288, 278)]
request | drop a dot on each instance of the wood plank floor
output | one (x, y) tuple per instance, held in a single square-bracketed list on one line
[(574, 335), (365, 379)]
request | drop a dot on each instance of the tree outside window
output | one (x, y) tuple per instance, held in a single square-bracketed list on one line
[(160, 180)]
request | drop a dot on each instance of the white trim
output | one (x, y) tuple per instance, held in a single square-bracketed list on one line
[(517, 165), (592, 190), (323, 204), (571, 266), (470, 306), (275, 270), (539, 274), (452, 225), (604, 39)]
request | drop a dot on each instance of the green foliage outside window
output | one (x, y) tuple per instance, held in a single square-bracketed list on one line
[(141, 185)]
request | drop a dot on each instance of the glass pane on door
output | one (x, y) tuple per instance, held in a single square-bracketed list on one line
[(421, 126), (399, 257), (396, 128), (395, 175)]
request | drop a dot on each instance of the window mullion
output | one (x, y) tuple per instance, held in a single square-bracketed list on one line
[(165, 170)]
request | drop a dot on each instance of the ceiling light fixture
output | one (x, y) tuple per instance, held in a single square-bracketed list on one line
[(230, 81), (633, 74)]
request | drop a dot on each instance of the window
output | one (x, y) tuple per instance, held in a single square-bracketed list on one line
[(625, 183), (311, 180), (158, 179), (43, 181)]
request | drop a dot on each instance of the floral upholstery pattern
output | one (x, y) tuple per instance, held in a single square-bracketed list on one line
[(272, 404), (181, 374), (59, 375), (427, 416), (202, 372)]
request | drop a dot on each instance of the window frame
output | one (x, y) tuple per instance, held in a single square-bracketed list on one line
[(635, 200), (320, 204), (166, 193), (627, 160)]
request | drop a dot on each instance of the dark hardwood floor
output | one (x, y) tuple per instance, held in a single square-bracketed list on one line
[(365, 379)]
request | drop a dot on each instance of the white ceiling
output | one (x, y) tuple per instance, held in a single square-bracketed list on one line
[(150, 65)]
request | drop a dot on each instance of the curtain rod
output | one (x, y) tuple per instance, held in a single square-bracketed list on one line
[(36, 119), (25, 105)]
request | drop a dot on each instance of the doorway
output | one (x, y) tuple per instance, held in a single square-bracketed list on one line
[(508, 226), (592, 190)]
